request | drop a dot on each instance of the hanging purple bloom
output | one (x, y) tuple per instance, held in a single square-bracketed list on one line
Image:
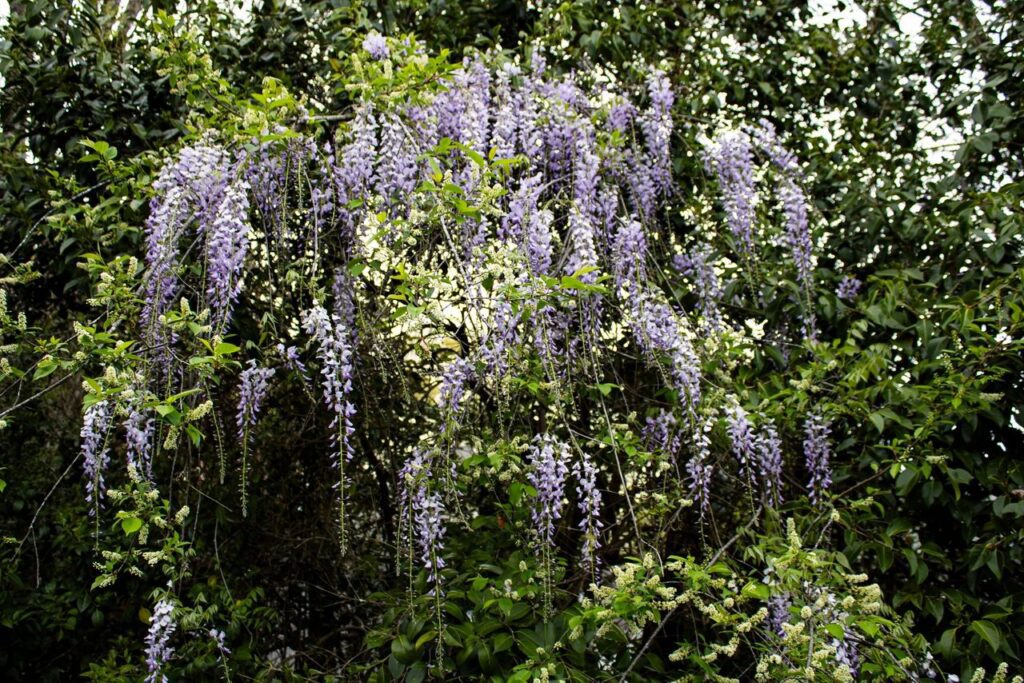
[(139, 429), (585, 173), (397, 169), (818, 452), (697, 266), (158, 651), (643, 187), (502, 336), (730, 157), (629, 254), (699, 469), (548, 469), (475, 80), (334, 349), (538, 242), (95, 451), (660, 433), (656, 331), (428, 509), (521, 208), (621, 116), (778, 613), (508, 106), (335, 353), (769, 452), (846, 653), (767, 141), (251, 391), (168, 216), (454, 382), (590, 506), (424, 509), (741, 435), (291, 358), (798, 235), (227, 242), (848, 288), (656, 123), (375, 44), (582, 252), (355, 168)]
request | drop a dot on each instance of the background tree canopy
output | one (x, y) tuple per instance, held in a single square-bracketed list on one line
[(505, 341)]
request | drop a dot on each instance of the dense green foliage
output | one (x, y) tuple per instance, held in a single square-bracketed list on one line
[(907, 122)]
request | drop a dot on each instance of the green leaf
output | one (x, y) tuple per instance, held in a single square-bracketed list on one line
[(46, 367), (403, 650), (989, 632), (131, 525)]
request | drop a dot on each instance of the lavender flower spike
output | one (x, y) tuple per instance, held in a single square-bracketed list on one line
[(95, 451), (817, 451), (769, 449), (161, 627), (376, 45), (251, 392), (227, 243), (590, 505), (848, 288), (741, 434), (731, 159), (699, 469), (548, 470)]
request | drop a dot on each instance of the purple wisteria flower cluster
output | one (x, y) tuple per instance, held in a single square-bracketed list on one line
[(158, 648), (547, 202), (95, 451), (252, 389), (335, 351), (589, 504), (549, 466), (139, 430), (730, 158), (818, 452), (848, 288), (422, 520)]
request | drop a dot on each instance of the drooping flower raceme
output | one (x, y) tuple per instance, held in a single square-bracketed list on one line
[(454, 383), (139, 429), (251, 391), (158, 649), (818, 452), (95, 451), (848, 288), (375, 44), (397, 168), (334, 350), (227, 243), (741, 435), (660, 433), (730, 157), (656, 330), (335, 353), (656, 123), (769, 455), (699, 469), (424, 509), (590, 506), (548, 459), (697, 265), (629, 254)]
